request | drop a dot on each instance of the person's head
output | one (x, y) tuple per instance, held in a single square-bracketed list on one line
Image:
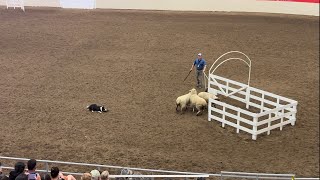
[(32, 163), (19, 167), (22, 176), (105, 175), (95, 175), (86, 176), (54, 172), (47, 177), (199, 55)]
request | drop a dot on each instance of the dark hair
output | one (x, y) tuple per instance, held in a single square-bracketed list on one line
[(47, 177), (54, 172), (19, 167), (22, 176), (32, 164)]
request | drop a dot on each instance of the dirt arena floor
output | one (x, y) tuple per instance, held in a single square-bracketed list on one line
[(54, 62)]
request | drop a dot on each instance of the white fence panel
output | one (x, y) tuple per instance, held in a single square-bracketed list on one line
[(273, 111)]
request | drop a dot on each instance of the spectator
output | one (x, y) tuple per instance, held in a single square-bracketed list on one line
[(44, 176), (22, 176), (104, 175), (32, 166), (95, 175), (18, 169), (86, 176), (47, 177), (57, 175)]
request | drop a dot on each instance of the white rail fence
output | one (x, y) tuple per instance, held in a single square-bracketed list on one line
[(263, 111), (169, 174), (274, 111), (15, 4)]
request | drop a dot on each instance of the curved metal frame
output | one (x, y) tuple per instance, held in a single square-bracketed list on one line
[(214, 67), (247, 62)]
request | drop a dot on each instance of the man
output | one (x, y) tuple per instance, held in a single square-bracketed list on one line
[(200, 64), (32, 175), (18, 169)]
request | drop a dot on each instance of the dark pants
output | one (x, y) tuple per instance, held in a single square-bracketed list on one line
[(199, 76)]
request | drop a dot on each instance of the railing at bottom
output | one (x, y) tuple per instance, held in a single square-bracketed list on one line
[(172, 174)]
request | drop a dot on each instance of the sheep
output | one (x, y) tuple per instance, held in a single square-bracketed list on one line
[(183, 101), (197, 102), (206, 96)]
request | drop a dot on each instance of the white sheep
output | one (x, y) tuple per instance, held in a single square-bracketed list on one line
[(206, 96), (183, 101), (197, 102)]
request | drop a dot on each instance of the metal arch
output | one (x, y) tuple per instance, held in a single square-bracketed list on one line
[(248, 63), (230, 53)]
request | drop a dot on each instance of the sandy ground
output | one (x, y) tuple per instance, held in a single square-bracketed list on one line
[(55, 62)]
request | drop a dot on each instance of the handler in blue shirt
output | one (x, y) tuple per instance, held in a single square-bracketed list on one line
[(200, 64)]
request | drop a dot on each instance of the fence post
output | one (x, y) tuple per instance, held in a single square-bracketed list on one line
[(282, 111), (47, 167), (223, 116), (269, 124), (262, 103), (293, 118), (247, 97), (254, 128), (209, 108), (238, 123)]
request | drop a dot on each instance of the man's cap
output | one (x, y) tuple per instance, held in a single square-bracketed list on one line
[(199, 54)]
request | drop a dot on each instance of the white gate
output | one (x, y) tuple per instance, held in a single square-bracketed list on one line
[(15, 4), (267, 110)]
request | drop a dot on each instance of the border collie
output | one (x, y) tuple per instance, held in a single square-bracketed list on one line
[(96, 108)]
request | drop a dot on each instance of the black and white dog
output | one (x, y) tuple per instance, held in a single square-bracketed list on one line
[(96, 108)]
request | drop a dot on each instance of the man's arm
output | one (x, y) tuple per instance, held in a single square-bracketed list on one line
[(192, 65), (205, 65)]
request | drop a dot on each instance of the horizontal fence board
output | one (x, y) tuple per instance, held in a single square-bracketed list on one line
[(232, 116), (275, 118), (228, 80), (243, 100), (273, 127), (253, 89), (243, 111), (275, 110), (231, 124), (272, 95)]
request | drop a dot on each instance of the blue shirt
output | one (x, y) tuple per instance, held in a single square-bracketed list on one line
[(199, 64)]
